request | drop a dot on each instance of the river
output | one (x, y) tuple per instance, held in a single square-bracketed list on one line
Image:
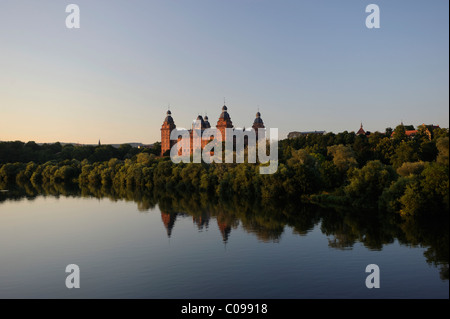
[(136, 245)]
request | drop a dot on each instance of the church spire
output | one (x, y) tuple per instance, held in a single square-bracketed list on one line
[(361, 130)]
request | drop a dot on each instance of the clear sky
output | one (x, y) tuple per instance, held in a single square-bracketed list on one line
[(307, 65)]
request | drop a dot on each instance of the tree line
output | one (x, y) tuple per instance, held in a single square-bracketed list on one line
[(17, 151), (389, 172)]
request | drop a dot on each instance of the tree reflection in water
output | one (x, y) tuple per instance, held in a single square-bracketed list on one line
[(267, 219)]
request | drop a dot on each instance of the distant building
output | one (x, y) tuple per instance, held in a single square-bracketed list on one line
[(307, 133), (427, 130), (361, 131), (410, 133)]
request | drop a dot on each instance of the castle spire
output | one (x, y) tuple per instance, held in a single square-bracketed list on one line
[(224, 121), (258, 123)]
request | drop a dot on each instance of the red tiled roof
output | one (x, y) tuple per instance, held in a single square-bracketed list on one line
[(411, 132), (408, 132)]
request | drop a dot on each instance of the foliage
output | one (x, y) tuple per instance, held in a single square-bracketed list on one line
[(395, 173), (367, 184)]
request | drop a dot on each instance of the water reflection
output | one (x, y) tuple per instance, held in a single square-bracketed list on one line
[(267, 220)]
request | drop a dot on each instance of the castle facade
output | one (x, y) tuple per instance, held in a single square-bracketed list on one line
[(223, 123)]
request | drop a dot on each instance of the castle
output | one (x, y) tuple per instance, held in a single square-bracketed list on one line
[(223, 123)]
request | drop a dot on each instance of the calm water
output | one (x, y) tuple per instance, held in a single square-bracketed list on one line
[(169, 249)]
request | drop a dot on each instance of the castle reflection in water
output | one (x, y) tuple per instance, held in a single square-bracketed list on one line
[(202, 223)]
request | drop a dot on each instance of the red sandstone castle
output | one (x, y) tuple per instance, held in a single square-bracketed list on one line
[(223, 123)]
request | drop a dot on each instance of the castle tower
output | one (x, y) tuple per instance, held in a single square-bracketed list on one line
[(258, 123), (203, 125), (224, 122), (166, 128), (201, 121)]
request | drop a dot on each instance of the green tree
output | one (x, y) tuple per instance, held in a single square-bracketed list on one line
[(143, 158), (427, 194), (368, 183), (362, 149), (442, 145), (388, 132), (399, 133), (385, 150), (409, 168), (405, 152), (343, 157), (302, 174), (427, 151), (390, 198)]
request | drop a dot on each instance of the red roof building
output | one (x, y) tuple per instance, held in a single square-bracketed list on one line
[(361, 131)]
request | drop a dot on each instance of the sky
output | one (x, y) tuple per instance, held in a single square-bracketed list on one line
[(306, 65)]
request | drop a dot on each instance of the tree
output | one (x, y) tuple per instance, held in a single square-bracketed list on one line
[(442, 145), (389, 131), (8, 172), (143, 158), (302, 174), (405, 152), (385, 149), (343, 157), (362, 149), (32, 146), (400, 133), (368, 183), (428, 194), (438, 133), (427, 151), (409, 168), (156, 149), (390, 198)]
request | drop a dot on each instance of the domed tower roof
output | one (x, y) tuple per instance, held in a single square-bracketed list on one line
[(169, 118), (202, 122), (225, 114), (258, 124), (258, 119), (207, 125)]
